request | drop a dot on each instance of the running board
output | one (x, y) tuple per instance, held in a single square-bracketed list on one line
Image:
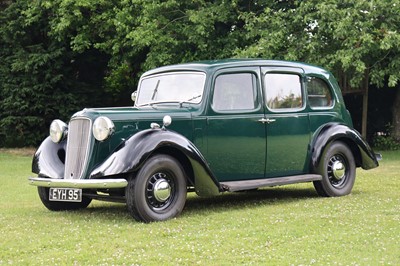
[(268, 182)]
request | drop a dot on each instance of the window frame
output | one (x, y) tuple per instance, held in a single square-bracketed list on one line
[(330, 89), (255, 87), (302, 90), (171, 73)]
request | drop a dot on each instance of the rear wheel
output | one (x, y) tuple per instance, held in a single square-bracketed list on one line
[(158, 192), (60, 205), (338, 171)]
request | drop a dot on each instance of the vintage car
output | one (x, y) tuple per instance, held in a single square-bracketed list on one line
[(206, 127)]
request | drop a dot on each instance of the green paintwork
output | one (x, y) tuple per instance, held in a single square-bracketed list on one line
[(130, 120), (236, 145)]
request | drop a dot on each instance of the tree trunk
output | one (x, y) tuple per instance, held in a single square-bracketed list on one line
[(364, 113), (365, 104), (396, 116)]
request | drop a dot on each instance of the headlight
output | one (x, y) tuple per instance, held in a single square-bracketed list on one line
[(58, 130), (103, 127)]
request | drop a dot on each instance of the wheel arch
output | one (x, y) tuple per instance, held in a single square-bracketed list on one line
[(327, 134), (135, 151), (355, 150), (182, 159)]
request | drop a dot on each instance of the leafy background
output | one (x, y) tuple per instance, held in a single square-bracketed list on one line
[(62, 55)]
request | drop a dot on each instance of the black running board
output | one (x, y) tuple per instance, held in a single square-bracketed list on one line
[(268, 182)]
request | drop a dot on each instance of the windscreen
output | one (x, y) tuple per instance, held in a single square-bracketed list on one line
[(171, 87)]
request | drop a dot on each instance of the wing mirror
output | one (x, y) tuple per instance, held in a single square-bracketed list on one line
[(133, 96)]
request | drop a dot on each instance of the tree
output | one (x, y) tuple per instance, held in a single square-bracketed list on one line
[(357, 40), (59, 56), (140, 35), (40, 76)]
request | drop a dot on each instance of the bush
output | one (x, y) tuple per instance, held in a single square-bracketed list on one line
[(385, 141)]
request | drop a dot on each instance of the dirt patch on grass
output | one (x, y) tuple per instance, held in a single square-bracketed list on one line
[(19, 151)]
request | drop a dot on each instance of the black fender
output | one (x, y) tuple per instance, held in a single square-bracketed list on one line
[(49, 159), (325, 135), (132, 154)]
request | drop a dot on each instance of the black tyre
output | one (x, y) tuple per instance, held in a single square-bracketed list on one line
[(158, 192), (60, 205), (338, 171)]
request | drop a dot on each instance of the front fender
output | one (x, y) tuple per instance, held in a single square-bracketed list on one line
[(49, 159), (132, 154), (324, 136)]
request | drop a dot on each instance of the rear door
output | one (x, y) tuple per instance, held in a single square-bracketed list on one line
[(287, 121)]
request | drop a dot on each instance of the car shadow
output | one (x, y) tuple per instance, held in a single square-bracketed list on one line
[(246, 199), (202, 205)]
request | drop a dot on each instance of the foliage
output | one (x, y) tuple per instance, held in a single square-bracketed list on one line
[(42, 78), (59, 56), (385, 140), (275, 226), (352, 38)]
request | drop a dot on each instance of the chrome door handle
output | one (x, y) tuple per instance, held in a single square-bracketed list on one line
[(267, 120)]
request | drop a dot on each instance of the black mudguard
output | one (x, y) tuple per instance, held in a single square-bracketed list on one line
[(324, 136), (132, 154), (49, 159)]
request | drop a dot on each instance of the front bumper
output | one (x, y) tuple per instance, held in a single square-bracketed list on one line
[(78, 183)]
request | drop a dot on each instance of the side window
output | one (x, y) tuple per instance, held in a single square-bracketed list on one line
[(319, 94), (283, 91), (234, 92)]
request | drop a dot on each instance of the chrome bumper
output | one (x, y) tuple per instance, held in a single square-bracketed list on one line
[(78, 183)]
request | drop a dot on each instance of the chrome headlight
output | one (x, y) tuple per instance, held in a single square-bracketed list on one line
[(103, 127), (58, 130)]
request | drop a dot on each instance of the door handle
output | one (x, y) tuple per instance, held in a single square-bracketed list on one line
[(266, 120)]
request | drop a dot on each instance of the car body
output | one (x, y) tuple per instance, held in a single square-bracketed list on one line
[(208, 127)]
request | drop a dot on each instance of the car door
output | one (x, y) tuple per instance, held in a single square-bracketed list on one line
[(235, 131), (287, 121)]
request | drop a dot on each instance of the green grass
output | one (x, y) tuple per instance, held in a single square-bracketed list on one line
[(276, 226)]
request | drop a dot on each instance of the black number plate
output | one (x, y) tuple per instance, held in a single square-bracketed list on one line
[(65, 194)]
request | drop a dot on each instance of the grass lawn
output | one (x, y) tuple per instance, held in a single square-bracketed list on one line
[(288, 225)]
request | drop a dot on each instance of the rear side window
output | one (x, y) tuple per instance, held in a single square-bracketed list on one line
[(235, 91), (283, 91), (319, 94)]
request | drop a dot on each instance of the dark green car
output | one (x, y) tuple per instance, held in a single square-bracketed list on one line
[(208, 127)]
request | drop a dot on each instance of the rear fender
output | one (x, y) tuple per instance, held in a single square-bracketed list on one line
[(132, 154), (325, 135)]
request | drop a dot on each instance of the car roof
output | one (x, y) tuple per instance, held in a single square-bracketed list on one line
[(212, 65)]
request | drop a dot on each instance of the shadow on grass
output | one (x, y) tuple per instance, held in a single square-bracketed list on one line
[(103, 211), (246, 199), (203, 205)]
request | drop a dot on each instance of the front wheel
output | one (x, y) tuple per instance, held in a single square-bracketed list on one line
[(158, 192), (60, 205), (338, 171)]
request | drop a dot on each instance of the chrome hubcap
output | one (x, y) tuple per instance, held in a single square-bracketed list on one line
[(162, 190), (338, 170)]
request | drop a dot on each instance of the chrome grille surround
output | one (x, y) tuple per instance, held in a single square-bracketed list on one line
[(77, 153)]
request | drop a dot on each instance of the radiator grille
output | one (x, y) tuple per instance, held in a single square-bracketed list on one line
[(79, 132)]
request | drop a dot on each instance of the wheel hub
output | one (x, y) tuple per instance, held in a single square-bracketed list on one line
[(338, 170), (162, 190)]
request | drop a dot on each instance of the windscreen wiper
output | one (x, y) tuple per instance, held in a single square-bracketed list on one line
[(189, 100), (155, 90)]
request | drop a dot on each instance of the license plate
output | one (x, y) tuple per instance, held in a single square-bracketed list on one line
[(65, 194)]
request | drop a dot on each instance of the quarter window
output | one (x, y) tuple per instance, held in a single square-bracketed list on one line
[(234, 92), (319, 94), (283, 91)]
